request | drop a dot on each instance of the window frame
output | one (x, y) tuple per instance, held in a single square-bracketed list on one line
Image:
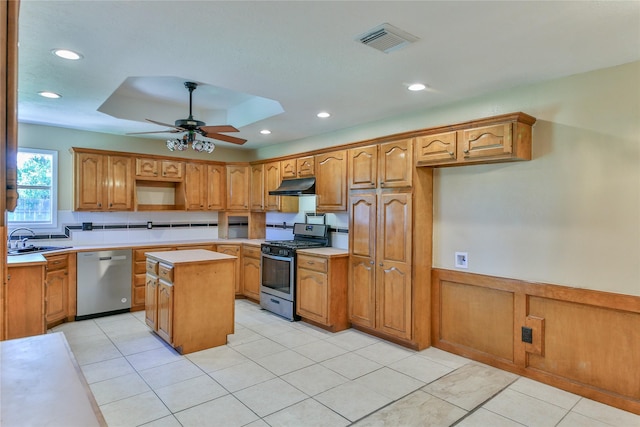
[(53, 223)]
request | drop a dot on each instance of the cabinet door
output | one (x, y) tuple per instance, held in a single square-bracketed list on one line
[(251, 277), (165, 311), (24, 302), (216, 187), (363, 167), (362, 295), (288, 169), (441, 148), (487, 141), (396, 163), (257, 187), (313, 294), (151, 302), (272, 181), (362, 225), (233, 250), (362, 246), (120, 183), (393, 275), (89, 182), (305, 166), (171, 169), (195, 186), (146, 168), (331, 181), (237, 187), (56, 288)]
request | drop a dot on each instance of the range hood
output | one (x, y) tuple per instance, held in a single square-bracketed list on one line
[(295, 187)]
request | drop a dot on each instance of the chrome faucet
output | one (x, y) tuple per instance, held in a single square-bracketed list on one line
[(22, 241)]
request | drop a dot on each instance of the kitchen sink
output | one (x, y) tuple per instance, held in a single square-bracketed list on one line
[(35, 249)]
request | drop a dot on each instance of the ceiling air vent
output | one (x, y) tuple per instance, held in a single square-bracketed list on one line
[(386, 38)]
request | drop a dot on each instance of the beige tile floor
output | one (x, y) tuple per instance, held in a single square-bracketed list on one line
[(279, 373)]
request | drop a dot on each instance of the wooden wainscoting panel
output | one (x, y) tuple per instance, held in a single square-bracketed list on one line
[(477, 317), (593, 345)]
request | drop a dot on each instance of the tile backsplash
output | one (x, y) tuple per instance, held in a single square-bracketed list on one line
[(153, 227)]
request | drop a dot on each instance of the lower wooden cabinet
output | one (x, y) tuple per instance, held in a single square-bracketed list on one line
[(151, 301), (165, 311), (321, 286), (24, 301), (251, 272), (233, 250), (56, 289)]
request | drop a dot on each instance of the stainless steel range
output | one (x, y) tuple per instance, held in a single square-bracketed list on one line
[(278, 267)]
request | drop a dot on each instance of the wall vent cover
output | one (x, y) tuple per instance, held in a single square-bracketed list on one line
[(386, 38)]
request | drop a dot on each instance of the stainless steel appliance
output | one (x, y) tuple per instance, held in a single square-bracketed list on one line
[(104, 283), (278, 267)]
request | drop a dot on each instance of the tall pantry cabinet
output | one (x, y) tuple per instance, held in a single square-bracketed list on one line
[(381, 239)]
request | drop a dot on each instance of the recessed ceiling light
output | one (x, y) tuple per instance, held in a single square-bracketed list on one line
[(265, 132), (416, 87), (323, 115), (51, 95), (67, 54)]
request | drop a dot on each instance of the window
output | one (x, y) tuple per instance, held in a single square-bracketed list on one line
[(37, 189)]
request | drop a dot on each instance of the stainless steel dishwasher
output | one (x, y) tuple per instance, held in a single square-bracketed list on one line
[(104, 283)]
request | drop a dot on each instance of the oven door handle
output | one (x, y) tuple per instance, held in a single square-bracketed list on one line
[(277, 258)]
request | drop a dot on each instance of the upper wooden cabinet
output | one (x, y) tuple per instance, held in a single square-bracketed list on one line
[(386, 165), (204, 187), (257, 187), (298, 168), (156, 169), (103, 182), (305, 166), (238, 187), (216, 187), (441, 148), (494, 139), (331, 181), (195, 188)]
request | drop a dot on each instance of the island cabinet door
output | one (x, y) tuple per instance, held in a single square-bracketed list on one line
[(165, 311), (151, 301)]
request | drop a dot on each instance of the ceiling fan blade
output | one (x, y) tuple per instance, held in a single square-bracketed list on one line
[(155, 131), (226, 138), (220, 128), (161, 124)]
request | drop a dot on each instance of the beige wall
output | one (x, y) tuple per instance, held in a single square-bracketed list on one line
[(570, 217)]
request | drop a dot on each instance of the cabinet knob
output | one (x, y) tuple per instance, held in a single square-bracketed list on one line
[(465, 151), (450, 153), (381, 264), (371, 262)]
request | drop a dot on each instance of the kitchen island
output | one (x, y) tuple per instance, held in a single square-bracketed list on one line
[(190, 298)]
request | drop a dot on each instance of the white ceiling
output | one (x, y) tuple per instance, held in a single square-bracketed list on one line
[(301, 55)]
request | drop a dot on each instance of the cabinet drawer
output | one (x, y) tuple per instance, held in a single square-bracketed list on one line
[(250, 252), (57, 262), (165, 272), (313, 263), (152, 266)]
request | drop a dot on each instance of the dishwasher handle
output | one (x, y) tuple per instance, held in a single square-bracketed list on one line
[(113, 258)]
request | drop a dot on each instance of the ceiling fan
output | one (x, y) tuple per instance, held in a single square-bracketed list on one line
[(192, 126)]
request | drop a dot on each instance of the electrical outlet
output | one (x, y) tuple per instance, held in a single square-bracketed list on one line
[(462, 260), (527, 335)]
